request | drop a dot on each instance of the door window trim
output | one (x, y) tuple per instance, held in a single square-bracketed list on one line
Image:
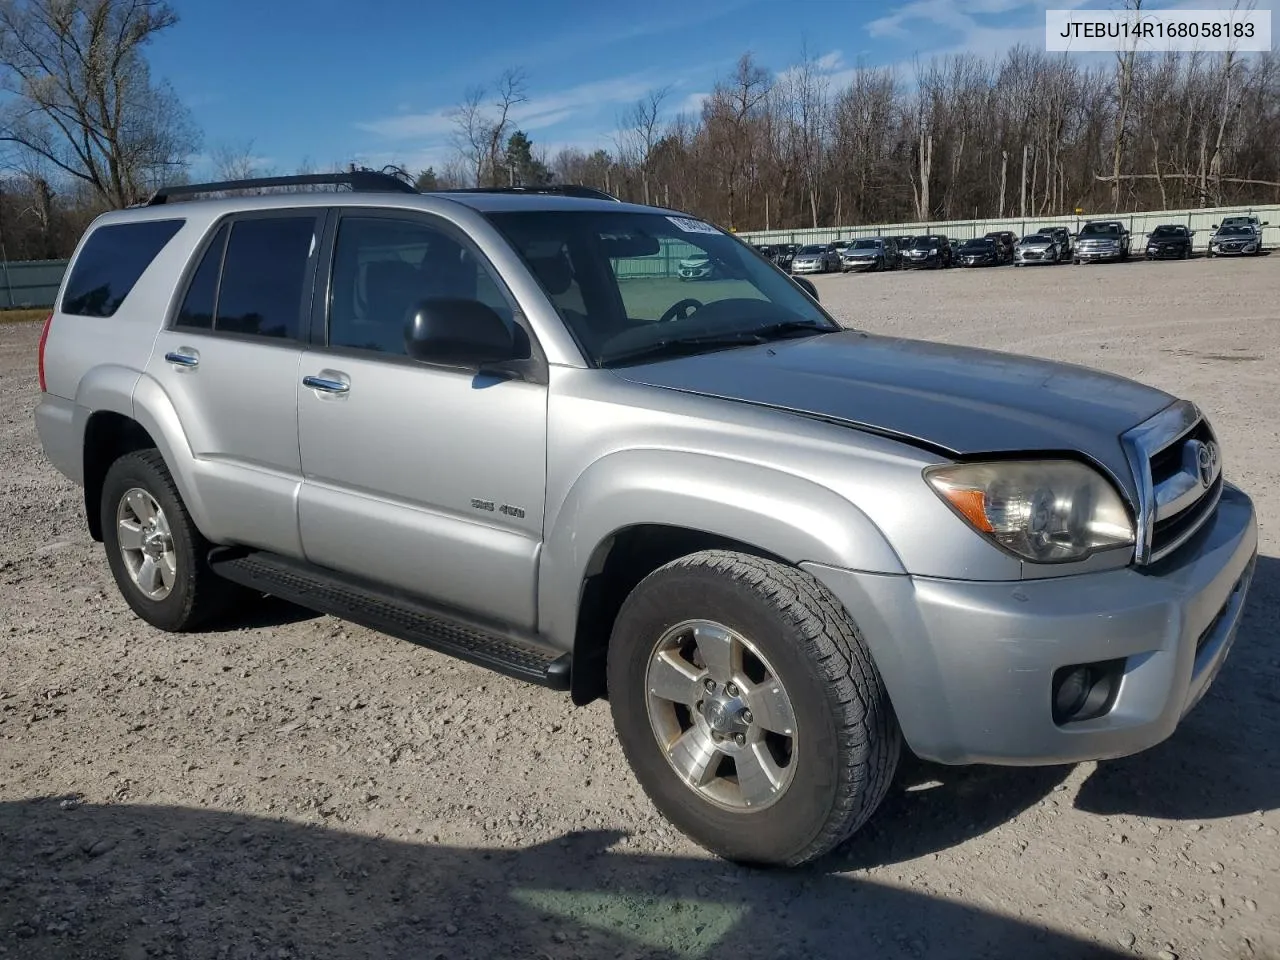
[(318, 333), (321, 216)]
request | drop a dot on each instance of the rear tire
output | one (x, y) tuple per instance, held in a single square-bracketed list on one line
[(800, 669), (157, 556)]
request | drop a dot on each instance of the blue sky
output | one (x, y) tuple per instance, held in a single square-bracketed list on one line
[(372, 80)]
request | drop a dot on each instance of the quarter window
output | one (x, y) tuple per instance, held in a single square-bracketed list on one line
[(110, 264)]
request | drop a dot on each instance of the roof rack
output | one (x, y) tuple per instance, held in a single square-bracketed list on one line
[(369, 180), (563, 189)]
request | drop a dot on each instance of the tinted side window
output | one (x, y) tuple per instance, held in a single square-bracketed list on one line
[(202, 294), (263, 276), (383, 266), (112, 260)]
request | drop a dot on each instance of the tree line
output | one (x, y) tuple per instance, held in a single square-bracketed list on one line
[(84, 127)]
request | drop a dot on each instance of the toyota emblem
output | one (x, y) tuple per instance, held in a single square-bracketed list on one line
[(1206, 462)]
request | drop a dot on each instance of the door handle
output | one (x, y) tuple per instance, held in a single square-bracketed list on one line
[(326, 384), (183, 357)]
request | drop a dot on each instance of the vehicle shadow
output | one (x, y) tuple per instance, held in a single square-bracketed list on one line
[(932, 807), (131, 881), (1224, 758), (259, 613)]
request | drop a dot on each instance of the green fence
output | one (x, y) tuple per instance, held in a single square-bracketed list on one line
[(30, 283)]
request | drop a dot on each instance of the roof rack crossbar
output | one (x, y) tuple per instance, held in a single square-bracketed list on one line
[(368, 180), (563, 189)]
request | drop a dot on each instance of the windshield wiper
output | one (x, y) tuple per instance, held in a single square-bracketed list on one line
[(787, 328), (676, 346)]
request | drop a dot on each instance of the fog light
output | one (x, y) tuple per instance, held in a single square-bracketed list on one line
[(1070, 693), (1085, 691)]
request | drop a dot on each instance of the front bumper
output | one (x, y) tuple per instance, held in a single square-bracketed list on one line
[(1166, 253), (1102, 253), (860, 264), (816, 266), (969, 665), (922, 262)]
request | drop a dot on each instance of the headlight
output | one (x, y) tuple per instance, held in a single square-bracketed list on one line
[(933, 253), (1045, 511)]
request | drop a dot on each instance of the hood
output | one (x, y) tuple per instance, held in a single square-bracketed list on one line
[(960, 401)]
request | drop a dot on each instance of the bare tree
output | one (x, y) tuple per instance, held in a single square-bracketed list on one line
[(82, 98), (639, 132), (481, 126)]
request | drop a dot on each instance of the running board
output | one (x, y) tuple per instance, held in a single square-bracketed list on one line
[(327, 591)]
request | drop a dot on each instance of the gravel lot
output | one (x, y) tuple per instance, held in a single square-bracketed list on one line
[(302, 788)]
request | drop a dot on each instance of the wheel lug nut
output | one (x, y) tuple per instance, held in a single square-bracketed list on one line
[(710, 685), (747, 717), (731, 690), (740, 739)]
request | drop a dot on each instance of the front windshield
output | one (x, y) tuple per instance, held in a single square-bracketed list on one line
[(1169, 232), (924, 243), (812, 249), (866, 245), (977, 245), (615, 279), (1037, 240), (1099, 230), (1235, 232)]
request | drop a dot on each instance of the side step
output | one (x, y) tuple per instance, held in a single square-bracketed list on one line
[(327, 591)]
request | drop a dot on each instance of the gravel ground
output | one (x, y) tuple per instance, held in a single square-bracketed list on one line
[(302, 788)]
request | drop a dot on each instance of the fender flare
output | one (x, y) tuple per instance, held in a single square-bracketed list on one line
[(787, 515)]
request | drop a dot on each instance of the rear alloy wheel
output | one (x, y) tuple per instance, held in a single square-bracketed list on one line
[(749, 707), (155, 552)]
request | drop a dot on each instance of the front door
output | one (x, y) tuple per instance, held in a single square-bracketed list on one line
[(428, 479), (229, 364)]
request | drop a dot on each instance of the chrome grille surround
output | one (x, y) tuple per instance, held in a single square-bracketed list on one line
[(1177, 467)]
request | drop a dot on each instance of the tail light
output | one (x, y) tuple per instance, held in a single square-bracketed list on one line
[(44, 338)]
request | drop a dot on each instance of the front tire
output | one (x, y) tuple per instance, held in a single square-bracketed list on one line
[(749, 708), (156, 554)]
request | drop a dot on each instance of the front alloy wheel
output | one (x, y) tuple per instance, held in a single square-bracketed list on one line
[(749, 707), (721, 715)]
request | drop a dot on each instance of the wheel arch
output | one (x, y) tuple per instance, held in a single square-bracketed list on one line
[(632, 512)]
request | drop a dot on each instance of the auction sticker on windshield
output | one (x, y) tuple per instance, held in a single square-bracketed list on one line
[(692, 226)]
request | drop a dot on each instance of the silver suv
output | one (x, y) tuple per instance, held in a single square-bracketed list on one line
[(496, 423)]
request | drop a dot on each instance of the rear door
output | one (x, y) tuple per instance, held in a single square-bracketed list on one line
[(229, 362)]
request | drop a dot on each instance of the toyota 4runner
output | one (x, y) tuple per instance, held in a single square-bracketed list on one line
[(497, 424)]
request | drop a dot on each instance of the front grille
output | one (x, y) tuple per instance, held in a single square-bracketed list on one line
[(1178, 469)]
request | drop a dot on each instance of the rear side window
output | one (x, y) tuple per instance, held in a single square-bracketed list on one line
[(202, 296), (263, 275), (110, 263), (252, 279)]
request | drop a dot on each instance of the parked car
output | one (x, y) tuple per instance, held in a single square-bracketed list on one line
[(1169, 240), (980, 252), (785, 254), (783, 550), (902, 243), (1235, 241), (1005, 241), (933, 252), (871, 253), (1244, 221), (1063, 236), (697, 267), (1041, 248), (816, 258), (1101, 240)]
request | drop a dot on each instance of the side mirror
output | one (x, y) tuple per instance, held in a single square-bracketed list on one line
[(1266, 223), (1215, 226), (807, 286), (459, 333)]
